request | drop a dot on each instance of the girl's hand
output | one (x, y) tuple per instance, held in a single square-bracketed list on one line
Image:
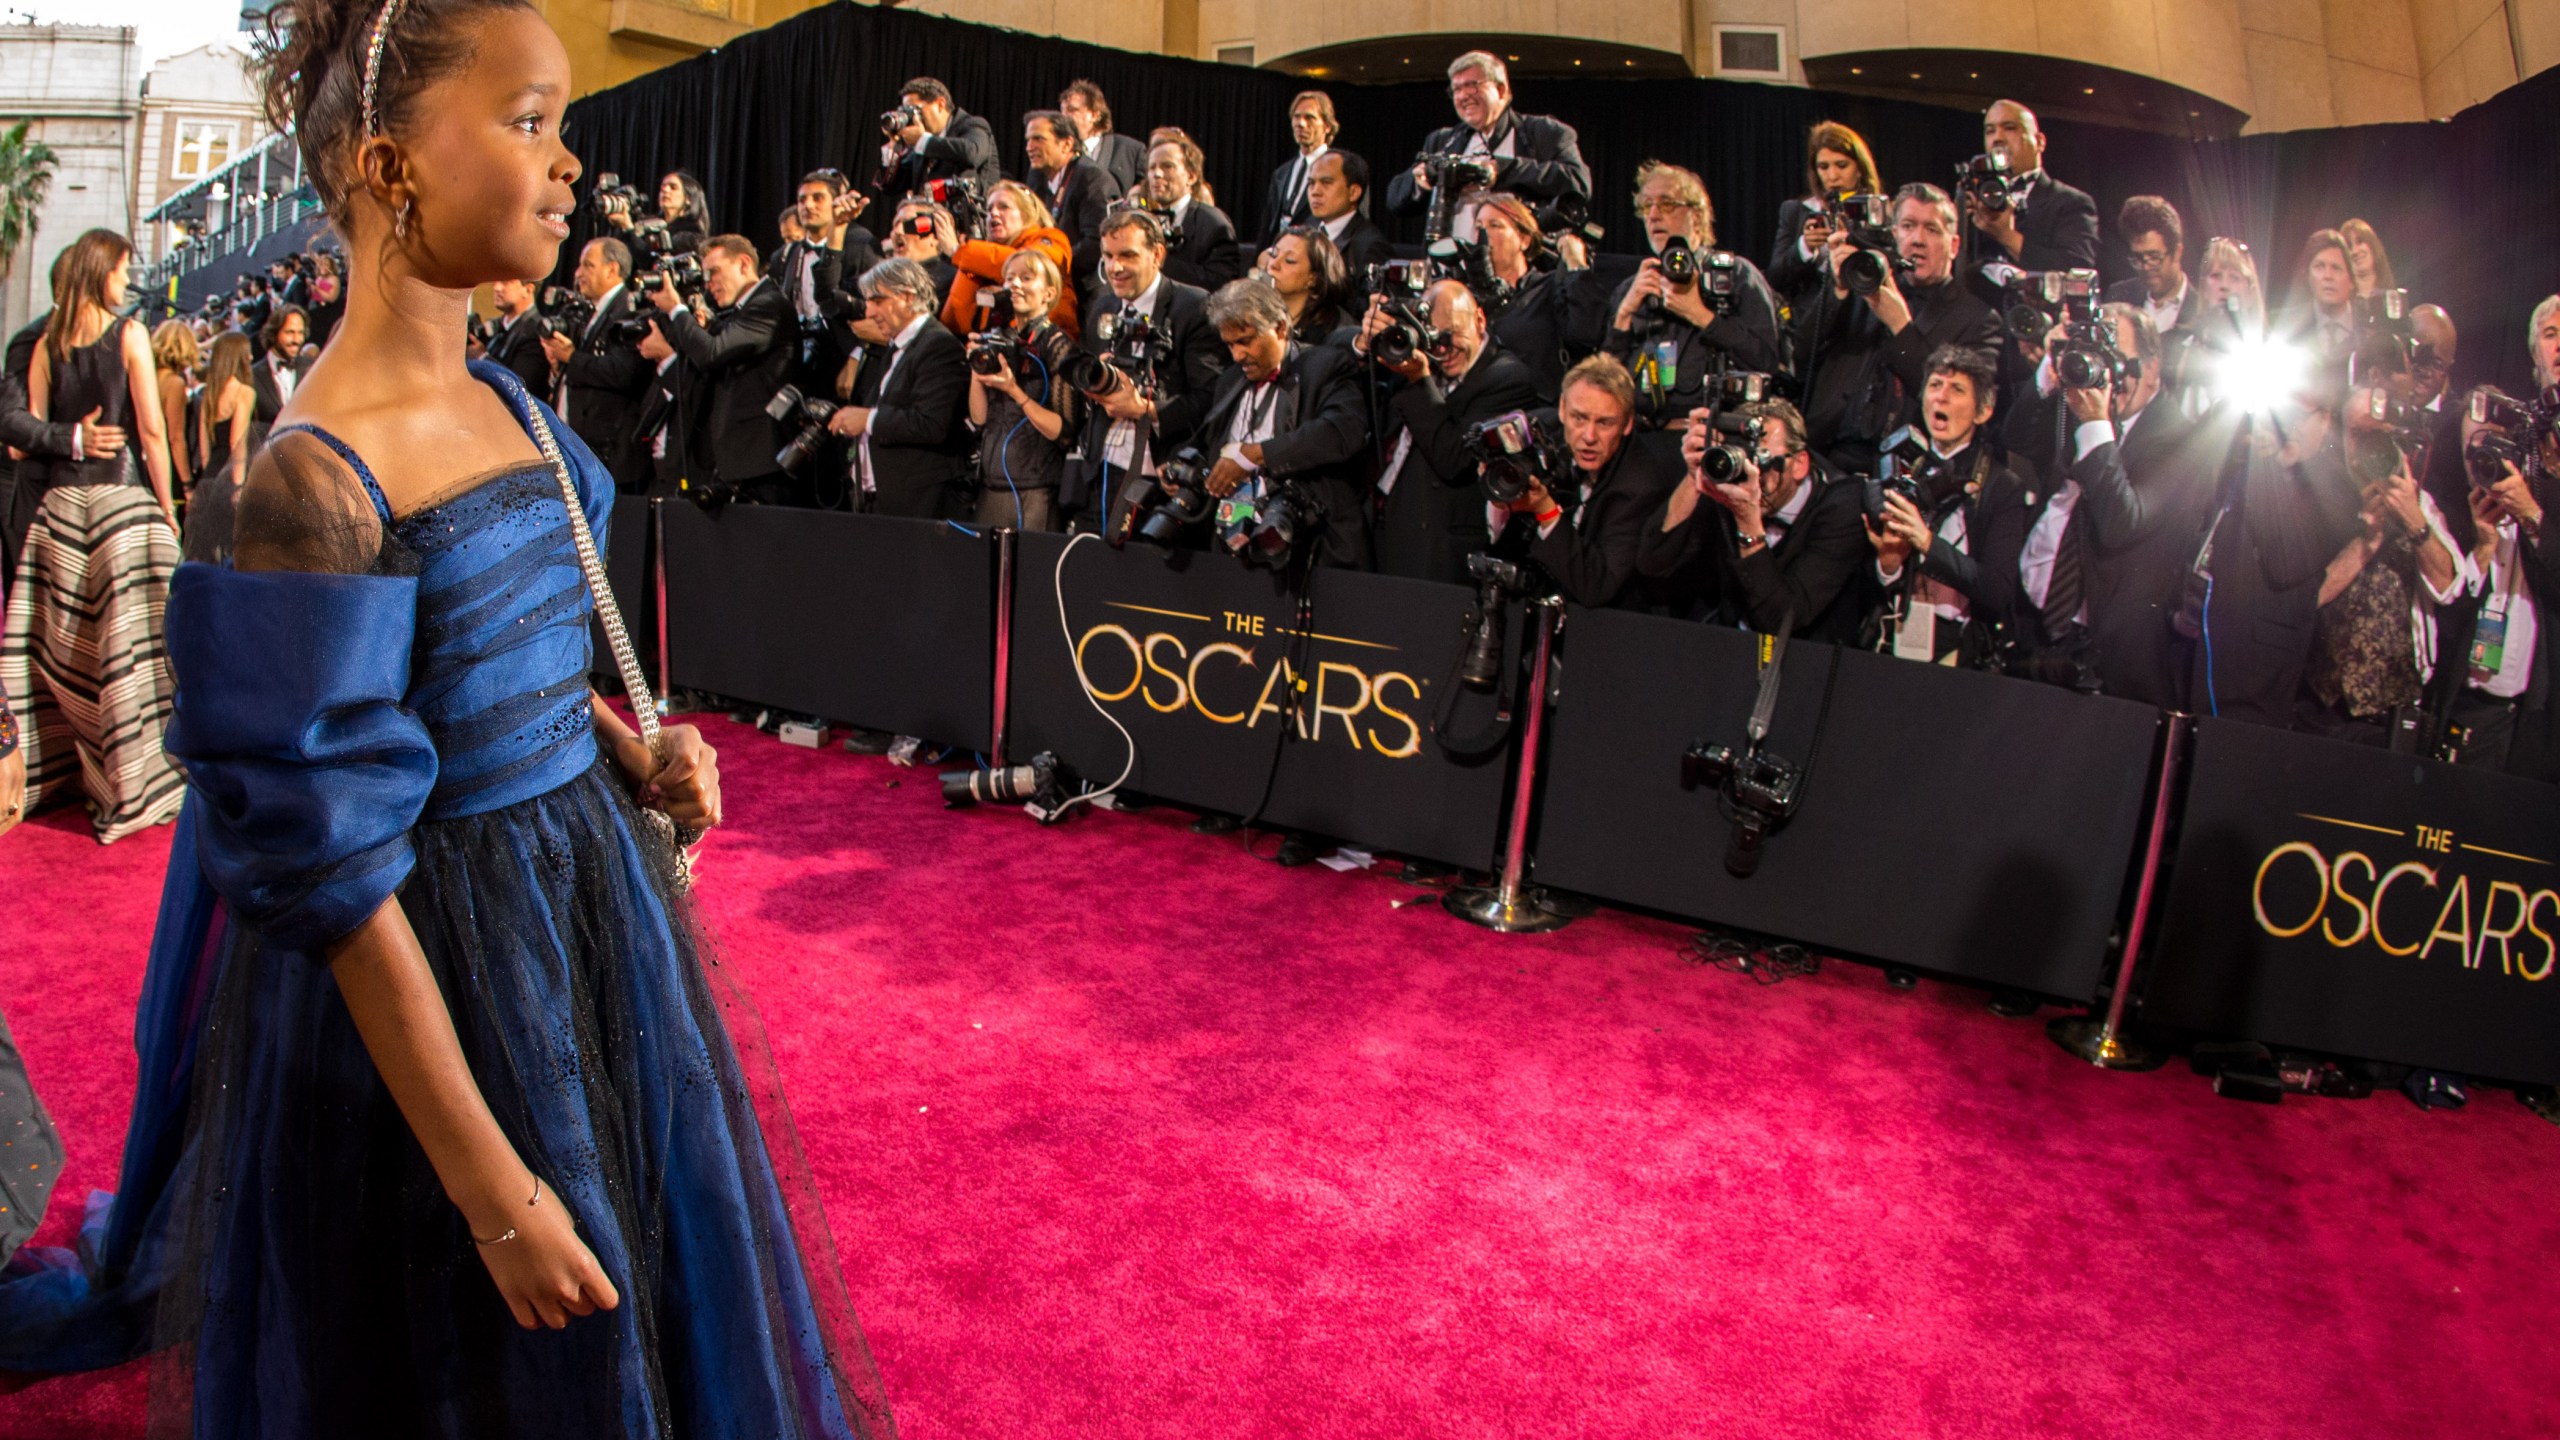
[(546, 1274), (683, 779)]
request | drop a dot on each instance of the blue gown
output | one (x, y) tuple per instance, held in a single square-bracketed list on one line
[(413, 721)]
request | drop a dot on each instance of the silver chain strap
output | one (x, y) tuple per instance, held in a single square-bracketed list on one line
[(635, 685)]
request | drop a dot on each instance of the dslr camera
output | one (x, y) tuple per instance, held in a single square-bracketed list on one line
[(565, 310), (1714, 273), (1516, 450), (1868, 222), (612, 197), (2032, 303), (1400, 286), (682, 269), (899, 117), (1726, 462), (993, 352), (2519, 429), (1039, 787), (1903, 458), (1760, 787), (1266, 530), (812, 412), (1985, 181), (2089, 356), (1158, 508), (1457, 173), (1132, 353)]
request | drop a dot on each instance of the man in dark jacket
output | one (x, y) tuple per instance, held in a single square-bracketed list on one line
[(1312, 126), (1534, 156), (1336, 189), (1673, 337), (603, 376), (1779, 545), (279, 368), (516, 336), (1617, 480), (1201, 247), (2046, 224), (909, 420), (1433, 516), (1127, 422), (1120, 156), (1075, 189), (939, 142), (740, 359), (1865, 358)]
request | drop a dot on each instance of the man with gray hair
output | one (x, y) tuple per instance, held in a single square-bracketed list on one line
[(1536, 157), (909, 418)]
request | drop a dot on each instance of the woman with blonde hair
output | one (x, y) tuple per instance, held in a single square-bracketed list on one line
[(1025, 414), (85, 657), (180, 357), (2227, 275), (1017, 220)]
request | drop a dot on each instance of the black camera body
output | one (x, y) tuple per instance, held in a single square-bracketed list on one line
[(1517, 449), (2033, 302), (1903, 460), (682, 269), (612, 197), (959, 195), (565, 310), (1726, 462), (1268, 529), (812, 412), (1985, 180), (899, 117), (993, 352), (1868, 222), (2521, 428), (1716, 274), (1480, 660), (1132, 354), (1458, 173), (1760, 787), (2089, 356), (1466, 262), (1158, 508), (1400, 285)]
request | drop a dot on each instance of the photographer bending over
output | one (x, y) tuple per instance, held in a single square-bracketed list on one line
[(1432, 517), (1020, 404), (1758, 533), (1618, 478), (1690, 307)]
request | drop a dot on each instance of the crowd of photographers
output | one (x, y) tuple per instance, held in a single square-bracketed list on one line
[(1922, 426)]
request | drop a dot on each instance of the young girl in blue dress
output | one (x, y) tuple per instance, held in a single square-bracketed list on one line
[(479, 1142)]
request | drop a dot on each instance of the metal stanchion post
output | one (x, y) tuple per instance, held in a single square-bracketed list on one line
[(2101, 1040), (658, 585), (1512, 906), (1006, 541)]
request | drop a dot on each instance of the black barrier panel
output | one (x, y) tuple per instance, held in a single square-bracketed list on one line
[(1197, 657), (626, 574), (883, 623), (1962, 823), (2344, 899)]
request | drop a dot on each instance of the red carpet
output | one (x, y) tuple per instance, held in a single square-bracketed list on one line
[(1126, 1134)]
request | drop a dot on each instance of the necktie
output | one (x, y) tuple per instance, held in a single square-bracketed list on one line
[(2069, 588), (1297, 191)]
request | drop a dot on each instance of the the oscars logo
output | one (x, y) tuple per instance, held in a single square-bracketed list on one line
[(2350, 898), (1235, 669)]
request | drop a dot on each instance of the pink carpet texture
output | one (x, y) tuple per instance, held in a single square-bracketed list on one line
[(1125, 1133)]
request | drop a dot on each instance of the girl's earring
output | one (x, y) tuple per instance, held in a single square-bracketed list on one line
[(400, 226)]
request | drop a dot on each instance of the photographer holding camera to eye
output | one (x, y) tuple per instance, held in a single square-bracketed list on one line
[(1020, 404), (922, 232), (1758, 533), (2020, 216), (929, 138), (1865, 340), (1432, 517), (1613, 477), (1153, 357), (603, 376), (680, 227), (1536, 156), (816, 271), (1690, 309), (1948, 527), (738, 361)]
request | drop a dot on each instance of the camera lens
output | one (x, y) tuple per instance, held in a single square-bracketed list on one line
[(1862, 270)]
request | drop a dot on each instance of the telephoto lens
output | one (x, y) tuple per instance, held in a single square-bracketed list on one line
[(1010, 785)]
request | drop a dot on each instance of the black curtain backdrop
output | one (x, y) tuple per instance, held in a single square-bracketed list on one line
[(2466, 207)]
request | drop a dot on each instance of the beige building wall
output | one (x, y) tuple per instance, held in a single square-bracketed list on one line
[(2287, 64)]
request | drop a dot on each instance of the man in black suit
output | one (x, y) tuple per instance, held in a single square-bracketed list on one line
[(1202, 248), (2157, 243), (1535, 156), (1312, 125), (909, 422), (1433, 515), (738, 360), (1780, 544), (603, 376), (1286, 414), (1336, 189), (940, 141), (516, 335), (1616, 479), (1075, 189), (1672, 338), (1125, 422), (1866, 358), (279, 368), (2046, 225), (2153, 487), (816, 273), (1120, 156)]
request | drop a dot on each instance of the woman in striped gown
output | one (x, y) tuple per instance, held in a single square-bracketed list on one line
[(84, 651)]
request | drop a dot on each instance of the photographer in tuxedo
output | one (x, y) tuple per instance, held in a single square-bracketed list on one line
[(1077, 192), (937, 140), (736, 362), (1126, 423), (1947, 555), (1534, 156), (279, 369), (1286, 412), (1122, 157), (815, 274), (1337, 188), (2043, 224), (1312, 127), (1780, 542), (1672, 333), (603, 377), (1865, 356), (1201, 241), (909, 418), (1619, 477), (1432, 514)]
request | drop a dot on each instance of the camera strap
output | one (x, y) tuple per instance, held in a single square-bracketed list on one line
[(1773, 657)]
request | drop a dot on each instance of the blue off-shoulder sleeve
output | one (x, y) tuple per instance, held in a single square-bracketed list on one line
[(308, 774)]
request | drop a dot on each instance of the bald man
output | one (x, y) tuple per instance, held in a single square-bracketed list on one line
[(2047, 226)]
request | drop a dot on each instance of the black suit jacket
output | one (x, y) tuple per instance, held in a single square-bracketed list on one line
[(1984, 569), (1283, 203), (966, 146), (604, 384), (1209, 255), (270, 399), (1123, 158), (1749, 338), (740, 360), (1554, 319), (1182, 388), (1591, 553), (1546, 161), (518, 347), (1862, 380), (1790, 274), (1084, 196), (2057, 230), (1318, 442), (1817, 571), (1433, 518), (919, 427), (1363, 244)]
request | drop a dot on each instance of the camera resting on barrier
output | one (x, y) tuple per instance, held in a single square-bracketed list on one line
[(1039, 787), (1867, 220), (1758, 785)]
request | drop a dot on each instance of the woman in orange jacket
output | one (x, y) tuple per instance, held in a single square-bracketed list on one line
[(1017, 220)]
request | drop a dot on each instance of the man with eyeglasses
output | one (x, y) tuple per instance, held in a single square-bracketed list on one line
[(2156, 240), (1537, 157)]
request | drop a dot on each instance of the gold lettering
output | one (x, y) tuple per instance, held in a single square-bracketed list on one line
[(1181, 695), (2381, 896), (2440, 841), (1200, 702), (2489, 925), (2550, 952), (1137, 672), (2347, 897), (1325, 670), (2258, 892), (1412, 744), (2457, 903), (1285, 679)]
